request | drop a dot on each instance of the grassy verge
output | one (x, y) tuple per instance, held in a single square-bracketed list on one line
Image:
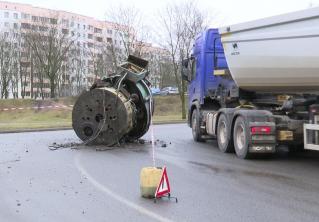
[(167, 110)]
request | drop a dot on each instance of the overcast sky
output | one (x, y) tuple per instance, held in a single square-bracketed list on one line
[(229, 11)]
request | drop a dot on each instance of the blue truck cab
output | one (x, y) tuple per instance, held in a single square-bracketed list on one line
[(207, 70)]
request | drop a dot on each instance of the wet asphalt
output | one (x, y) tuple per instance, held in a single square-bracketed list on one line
[(83, 184)]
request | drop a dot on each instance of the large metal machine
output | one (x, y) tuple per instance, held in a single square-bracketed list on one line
[(254, 86), (117, 108)]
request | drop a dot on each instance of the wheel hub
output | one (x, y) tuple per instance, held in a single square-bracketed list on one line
[(223, 133), (240, 137), (194, 122)]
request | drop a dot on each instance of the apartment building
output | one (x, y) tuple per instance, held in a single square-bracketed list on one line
[(86, 32), (94, 39)]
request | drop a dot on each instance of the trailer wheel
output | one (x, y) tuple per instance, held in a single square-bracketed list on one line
[(240, 138), (225, 144), (197, 136)]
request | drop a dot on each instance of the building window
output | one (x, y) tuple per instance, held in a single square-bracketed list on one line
[(35, 18), (90, 36), (72, 24), (25, 25), (6, 14), (65, 31), (97, 30), (84, 27), (15, 25), (6, 24), (109, 31), (53, 21), (15, 15), (99, 39)]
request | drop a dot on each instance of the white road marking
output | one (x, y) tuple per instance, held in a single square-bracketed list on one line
[(115, 196)]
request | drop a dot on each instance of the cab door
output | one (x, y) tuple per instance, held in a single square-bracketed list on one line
[(194, 85)]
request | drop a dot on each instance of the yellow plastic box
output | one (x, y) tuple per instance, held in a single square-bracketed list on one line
[(149, 180)]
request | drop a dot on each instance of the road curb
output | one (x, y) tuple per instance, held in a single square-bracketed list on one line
[(70, 128)]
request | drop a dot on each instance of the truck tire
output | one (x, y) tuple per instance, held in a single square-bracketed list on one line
[(225, 144), (240, 138), (197, 136)]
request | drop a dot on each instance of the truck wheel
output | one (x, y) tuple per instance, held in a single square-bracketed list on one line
[(240, 137), (197, 136), (223, 134)]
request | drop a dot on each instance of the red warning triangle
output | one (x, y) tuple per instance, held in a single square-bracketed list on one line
[(163, 187)]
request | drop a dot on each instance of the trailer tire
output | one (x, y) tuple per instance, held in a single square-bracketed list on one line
[(197, 136), (241, 138), (225, 144)]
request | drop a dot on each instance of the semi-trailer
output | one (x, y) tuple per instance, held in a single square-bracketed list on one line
[(255, 86)]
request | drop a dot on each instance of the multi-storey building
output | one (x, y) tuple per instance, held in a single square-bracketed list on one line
[(93, 40), (87, 33)]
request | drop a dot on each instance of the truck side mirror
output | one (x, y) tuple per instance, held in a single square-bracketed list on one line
[(185, 71)]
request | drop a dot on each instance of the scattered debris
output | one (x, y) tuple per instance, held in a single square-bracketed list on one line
[(72, 145), (164, 145), (121, 144)]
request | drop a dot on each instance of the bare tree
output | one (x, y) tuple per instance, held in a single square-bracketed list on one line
[(181, 23), (8, 64), (126, 20), (130, 33), (77, 67), (50, 47)]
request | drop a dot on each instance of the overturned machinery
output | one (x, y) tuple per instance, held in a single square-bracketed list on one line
[(117, 108)]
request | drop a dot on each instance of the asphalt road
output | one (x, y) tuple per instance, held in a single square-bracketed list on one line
[(38, 184)]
